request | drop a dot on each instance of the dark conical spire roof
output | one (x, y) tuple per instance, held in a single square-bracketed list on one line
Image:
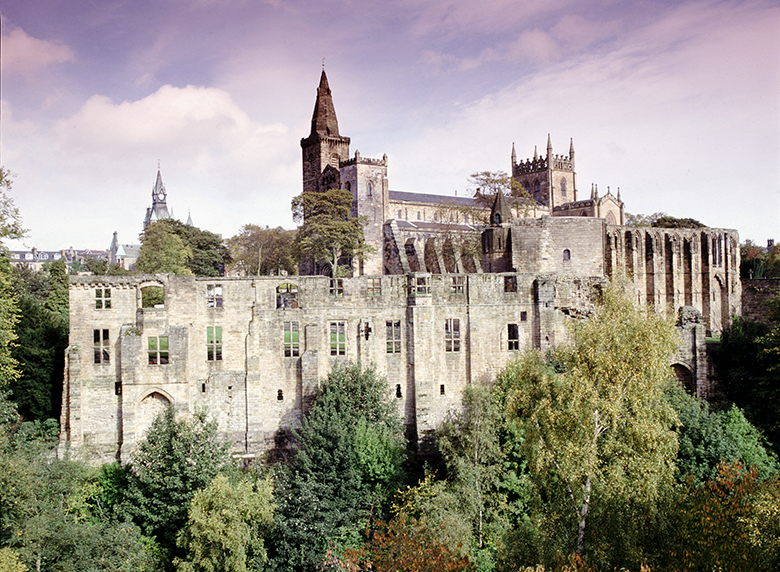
[(500, 208), (324, 120)]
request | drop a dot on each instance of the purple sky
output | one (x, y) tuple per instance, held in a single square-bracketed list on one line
[(676, 103)]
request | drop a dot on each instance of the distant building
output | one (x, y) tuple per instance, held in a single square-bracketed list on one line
[(35, 259)]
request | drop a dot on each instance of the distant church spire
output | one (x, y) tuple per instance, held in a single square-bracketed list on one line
[(514, 155), (159, 208)]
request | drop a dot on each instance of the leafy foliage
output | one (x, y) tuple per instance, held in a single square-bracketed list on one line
[(176, 458), (599, 433), (329, 232), (262, 251), (163, 251), (225, 525), (708, 438), (662, 220), (348, 460)]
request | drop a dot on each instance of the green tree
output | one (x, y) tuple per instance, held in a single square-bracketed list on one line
[(175, 459), (599, 432), (347, 463), (163, 251), (270, 248), (707, 438), (470, 443), (10, 220), (328, 233), (226, 524)]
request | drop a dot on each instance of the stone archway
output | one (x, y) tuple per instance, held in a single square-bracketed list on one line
[(684, 376), (149, 408)]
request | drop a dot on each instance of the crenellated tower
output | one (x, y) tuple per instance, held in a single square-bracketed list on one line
[(550, 180)]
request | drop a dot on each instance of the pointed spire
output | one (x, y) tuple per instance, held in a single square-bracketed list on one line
[(592, 191), (323, 121), (189, 218), (500, 212), (514, 155), (159, 187), (618, 197), (571, 148), (549, 150), (536, 155)]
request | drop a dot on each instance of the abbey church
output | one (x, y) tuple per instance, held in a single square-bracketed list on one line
[(455, 287)]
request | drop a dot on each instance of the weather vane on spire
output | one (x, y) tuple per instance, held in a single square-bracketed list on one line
[(323, 64)]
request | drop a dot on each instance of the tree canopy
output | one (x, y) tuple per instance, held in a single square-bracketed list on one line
[(170, 246), (262, 251), (329, 232)]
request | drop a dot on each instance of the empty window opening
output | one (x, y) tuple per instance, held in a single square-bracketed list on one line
[(152, 296), (287, 296), (370, 189), (566, 255), (452, 335), (279, 395), (393, 336), (510, 283), (563, 187), (399, 213), (374, 286), (523, 316), (214, 295), (420, 286), (336, 287), (103, 298), (101, 346), (158, 350), (117, 388), (338, 339), (203, 388), (398, 390), (214, 343), (441, 389), (291, 341), (513, 337), (419, 217), (456, 286)]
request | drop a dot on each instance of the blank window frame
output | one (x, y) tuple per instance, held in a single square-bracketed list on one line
[(452, 335), (101, 345), (338, 339), (214, 343), (103, 299), (159, 351), (393, 336)]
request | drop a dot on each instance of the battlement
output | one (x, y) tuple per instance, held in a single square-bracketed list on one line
[(530, 166), (357, 159)]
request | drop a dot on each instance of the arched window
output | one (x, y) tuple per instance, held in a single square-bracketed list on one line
[(399, 213), (537, 190), (566, 255), (348, 186), (497, 218), (563, 187), (370, 189), (419, 217)]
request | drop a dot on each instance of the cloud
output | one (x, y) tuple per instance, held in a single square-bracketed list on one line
[(26, 56)]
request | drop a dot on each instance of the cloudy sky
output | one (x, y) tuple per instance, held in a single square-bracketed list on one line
[(676, 103)]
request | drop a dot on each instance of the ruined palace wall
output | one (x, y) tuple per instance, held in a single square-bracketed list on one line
[(446, 331), (671, 268)]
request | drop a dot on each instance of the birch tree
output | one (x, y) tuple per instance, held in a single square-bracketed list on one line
[(598, 430)]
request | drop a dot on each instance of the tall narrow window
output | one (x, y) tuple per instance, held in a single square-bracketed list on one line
[(214, 295), (103, 298), (158, 350), (336, 287), (566, 255), (338, 340), (370, 189), (291, 343), (513, 337), (214, 343), (452, 335), (456, 286), (101, 346), (393, 336), (563, 187)]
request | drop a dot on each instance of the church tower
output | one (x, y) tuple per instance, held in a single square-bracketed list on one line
[(324, 149), (550, 180), (159, 208)]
